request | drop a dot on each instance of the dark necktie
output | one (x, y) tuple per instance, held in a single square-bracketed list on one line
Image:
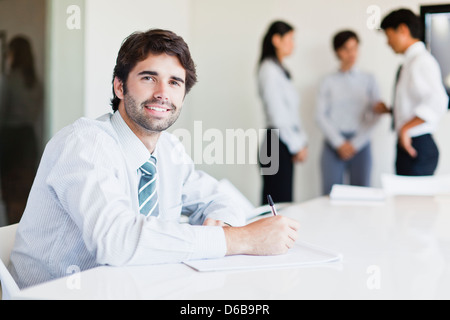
[(397, 78)]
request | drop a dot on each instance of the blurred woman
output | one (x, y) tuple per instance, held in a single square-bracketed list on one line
[(345, 114), (288, 143), (20, 111)]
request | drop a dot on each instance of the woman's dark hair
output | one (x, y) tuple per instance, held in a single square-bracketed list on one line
[(22, 59), (404, 16), (342, 37), (268, 49), (139, 45)]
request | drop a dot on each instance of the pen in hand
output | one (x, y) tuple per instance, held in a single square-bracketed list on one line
[(272, 205)]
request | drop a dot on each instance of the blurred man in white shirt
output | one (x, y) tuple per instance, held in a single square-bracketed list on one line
[(420, 98)]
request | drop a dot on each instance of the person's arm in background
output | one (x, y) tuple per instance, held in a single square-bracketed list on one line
[(371, 118), (405, 140), (332, 134), (432, 99)]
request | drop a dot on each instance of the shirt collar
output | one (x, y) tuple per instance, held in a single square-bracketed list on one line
[(352, 71), (414, 50), (135, 151)]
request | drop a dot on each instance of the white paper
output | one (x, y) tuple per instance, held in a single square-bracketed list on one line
[(416, 186), (354, 193), (227, 187), (301, 254)]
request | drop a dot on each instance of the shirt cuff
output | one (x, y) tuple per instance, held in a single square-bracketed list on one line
[(296, 145), (238, 219), (336, 141), (360, 141), (210, 243), (424, 113)]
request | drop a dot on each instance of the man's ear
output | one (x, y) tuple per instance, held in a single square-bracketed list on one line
[(403, 29), (118, 88)]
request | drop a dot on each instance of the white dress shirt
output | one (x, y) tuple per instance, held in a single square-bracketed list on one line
[(420, 91), (83, 209), (345, 106), (281, 102)]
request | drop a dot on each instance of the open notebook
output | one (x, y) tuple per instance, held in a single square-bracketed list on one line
[(301, 254)]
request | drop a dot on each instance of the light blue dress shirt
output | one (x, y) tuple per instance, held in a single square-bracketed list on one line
[(83, 209), (345, 106)]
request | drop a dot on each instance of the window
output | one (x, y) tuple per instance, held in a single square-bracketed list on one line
[(436, 21)]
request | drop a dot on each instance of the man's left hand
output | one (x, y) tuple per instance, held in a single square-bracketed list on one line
[(405, 141), (214, 223)]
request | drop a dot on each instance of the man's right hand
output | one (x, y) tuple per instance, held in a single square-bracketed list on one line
[(381, 108), (301, 156), (268, 236)]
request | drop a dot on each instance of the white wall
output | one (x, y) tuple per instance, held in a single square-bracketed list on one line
[(65, 66), (225, 37)]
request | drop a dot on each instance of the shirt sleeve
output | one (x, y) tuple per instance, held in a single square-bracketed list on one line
[(370, 119), (202, 199), (87, 183), (426, 84), (273, 97), (331, 133)]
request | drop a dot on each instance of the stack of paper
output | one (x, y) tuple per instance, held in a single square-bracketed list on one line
[(302, 254), (353, 193), (416, 186)]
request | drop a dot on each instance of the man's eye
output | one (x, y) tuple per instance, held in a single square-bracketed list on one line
[(148, 78)]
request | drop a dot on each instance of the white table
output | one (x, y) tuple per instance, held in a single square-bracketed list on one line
[(398, 249)]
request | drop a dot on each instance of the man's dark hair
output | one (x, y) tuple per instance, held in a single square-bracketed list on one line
[(139, 45), (342, 37), (404, 16)]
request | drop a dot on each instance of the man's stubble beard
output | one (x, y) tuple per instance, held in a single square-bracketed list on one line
[(138, 114)]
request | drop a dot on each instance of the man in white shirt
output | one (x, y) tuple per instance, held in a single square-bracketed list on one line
[(111, 191), (420, 96)]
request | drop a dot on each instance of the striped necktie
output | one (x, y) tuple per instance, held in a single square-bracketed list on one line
[(148, 197)]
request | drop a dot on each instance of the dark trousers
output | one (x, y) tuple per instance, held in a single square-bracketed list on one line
[(278, 182), (18, 165), (424, 164), (359, 168)]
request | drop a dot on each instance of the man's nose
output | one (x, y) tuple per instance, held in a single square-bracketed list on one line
[(161, 92)]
